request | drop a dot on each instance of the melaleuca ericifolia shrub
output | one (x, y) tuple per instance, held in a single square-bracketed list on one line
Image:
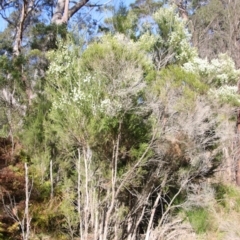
[(95, 95), (97, 101)]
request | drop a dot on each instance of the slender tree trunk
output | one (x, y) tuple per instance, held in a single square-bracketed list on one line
[(238, 141), (114, 180), (19, 33), (27, 7), (149, 228), (51, 178), (79, 193), (238, 149), (62, 12), (86, 207), (26, 218)]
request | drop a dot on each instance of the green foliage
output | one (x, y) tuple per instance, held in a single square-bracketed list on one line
[(123, 21), (226, 95), (228, 196), (46, 216), (10, 74), (146, 8), (217, 72), (34, 134), (45, 36), (172, 42), (1, 231), (199, 219), (179, 87), (112, 54), (6, 42), (13, 94), (180, 77), (14, 228)]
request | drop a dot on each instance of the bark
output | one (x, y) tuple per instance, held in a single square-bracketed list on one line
[(19, 34), (27, 195), (149, 228), (63, 13), (238, 132), (51, 178), (86, 155), (79, 193), (26, 10)]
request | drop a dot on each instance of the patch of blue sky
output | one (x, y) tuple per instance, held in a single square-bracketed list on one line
[(3, 23)]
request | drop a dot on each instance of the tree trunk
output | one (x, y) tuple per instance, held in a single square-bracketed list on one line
[(27, 7), (238, 134), (238, 155), (62, 12), (26, 233), (51, 178), (19, 34)]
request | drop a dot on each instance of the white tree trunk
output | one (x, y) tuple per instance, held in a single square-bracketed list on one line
[(62, 12), (26, 10), (51, 178), (27, 219), (79, 193)]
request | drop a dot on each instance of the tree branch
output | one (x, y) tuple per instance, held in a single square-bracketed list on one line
[(76, 7)]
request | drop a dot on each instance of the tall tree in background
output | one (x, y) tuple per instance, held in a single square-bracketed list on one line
[(216, 28), (27, 13), (63, 12)]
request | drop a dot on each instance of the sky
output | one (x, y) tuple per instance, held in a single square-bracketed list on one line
[(3, 23)]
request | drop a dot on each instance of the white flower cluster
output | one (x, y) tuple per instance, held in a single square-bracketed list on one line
[(178, 37), (225, 93), (147, 41), (111, 108), (186, 51), (125, 41), (220, 70), (60, 64), (77, 94), (81, 95), (168, 13), (60, 103)]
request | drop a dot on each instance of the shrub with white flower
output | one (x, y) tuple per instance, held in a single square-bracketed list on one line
[(110, 108), (173, 35), (104, 80), (61, 62), (218, 71), (226, 94), (147, 41), (77, 93)]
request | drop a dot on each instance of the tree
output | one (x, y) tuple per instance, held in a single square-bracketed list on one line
[(215, 29), (24, 15)]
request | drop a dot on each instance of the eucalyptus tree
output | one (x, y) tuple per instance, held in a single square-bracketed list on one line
[(22, 15)]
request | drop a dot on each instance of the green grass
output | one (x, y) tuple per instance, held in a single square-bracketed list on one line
[(199, 219)]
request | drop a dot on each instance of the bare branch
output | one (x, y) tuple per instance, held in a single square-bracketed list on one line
[(76, 7)]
